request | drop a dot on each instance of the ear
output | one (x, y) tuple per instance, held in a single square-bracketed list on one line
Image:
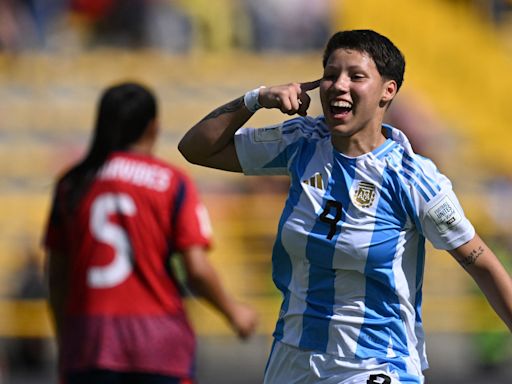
[(389, 91)]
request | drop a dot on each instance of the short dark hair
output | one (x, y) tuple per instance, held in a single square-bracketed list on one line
[(389, 60)]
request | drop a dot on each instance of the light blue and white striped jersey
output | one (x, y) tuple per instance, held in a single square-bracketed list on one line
[(350, 248)]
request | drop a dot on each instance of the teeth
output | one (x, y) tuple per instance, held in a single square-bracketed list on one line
[(341, 104)]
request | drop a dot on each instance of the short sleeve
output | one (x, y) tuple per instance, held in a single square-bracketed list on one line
[(270, 150), (442, 218)]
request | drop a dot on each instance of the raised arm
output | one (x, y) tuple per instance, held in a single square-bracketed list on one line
[(489, 274), (211, 141)]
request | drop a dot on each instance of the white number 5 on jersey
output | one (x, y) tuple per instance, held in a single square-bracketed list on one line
[(112, 234)]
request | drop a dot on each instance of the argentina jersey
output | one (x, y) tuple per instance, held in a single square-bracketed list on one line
[(350, 247)]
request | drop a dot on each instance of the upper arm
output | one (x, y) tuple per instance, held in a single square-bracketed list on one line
[(476, 257), (225, 159), (195, 261), (57, 268)]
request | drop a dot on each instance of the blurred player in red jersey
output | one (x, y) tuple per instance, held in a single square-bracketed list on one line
[(117, 217)]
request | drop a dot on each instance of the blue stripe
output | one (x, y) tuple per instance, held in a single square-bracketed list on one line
[(416, 185), (308, 126), (270, 354), (306, 130), (282, 159), (413, 166), (382, 318), (387, 147), (320, 252), (420, 269), (281, 262), (433, 183), (399, 366), (412, 172)]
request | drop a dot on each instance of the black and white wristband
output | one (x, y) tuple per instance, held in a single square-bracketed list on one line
[(251, 100)]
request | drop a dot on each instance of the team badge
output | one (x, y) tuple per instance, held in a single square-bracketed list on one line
[(364, 196)]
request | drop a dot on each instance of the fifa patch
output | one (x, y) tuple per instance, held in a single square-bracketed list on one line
[(264, 135), (364, 195), (445, 214)]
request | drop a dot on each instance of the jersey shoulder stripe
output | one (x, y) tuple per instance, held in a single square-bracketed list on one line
[(311, 127)]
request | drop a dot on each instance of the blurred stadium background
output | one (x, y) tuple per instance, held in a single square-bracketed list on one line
[(57, 55)]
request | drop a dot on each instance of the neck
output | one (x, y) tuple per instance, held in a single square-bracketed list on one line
[(359, 143), (142, 147)]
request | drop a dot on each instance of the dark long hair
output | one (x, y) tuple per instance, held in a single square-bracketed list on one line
[(124, 113)]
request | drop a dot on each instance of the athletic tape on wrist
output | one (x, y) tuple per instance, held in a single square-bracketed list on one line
[(251, 100)]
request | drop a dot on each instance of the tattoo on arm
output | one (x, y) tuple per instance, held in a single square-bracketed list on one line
[(226, 108), (470, 259)]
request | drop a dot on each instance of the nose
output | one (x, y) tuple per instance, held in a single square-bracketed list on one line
[(342, 83)]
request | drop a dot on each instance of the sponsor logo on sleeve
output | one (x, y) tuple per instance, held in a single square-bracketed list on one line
[(263, 135), (445, 214)]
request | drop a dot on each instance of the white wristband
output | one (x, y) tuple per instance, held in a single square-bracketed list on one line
[(251, 100)]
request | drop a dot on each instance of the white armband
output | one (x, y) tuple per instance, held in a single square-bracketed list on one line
[(251, 100)]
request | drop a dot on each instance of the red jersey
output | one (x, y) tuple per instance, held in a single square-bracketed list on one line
[(125, 310)]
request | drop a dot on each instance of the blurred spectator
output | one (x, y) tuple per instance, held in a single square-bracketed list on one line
[(499, 11), (216, 26), (114, 22), (17, 26), (135, 23), (25, 24), (169, 27), (290, 25)]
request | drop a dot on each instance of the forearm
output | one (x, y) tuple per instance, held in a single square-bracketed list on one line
[(215, 134), (496, 285), (206, 284), (489, 274)]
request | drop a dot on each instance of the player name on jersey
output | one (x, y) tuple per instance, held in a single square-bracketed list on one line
[(138, 173)]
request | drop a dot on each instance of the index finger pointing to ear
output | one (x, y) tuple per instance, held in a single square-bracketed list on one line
[(309, 85)]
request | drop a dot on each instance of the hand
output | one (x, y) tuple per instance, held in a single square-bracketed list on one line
[(289, 98), (243, 320)]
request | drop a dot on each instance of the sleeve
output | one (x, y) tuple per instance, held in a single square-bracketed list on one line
[(441, 216), (269, 150), (191, 222)]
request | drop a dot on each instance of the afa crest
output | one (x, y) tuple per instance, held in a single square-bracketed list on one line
[(364, 196)]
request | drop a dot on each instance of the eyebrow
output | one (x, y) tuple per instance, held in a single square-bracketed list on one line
[(352, 67)]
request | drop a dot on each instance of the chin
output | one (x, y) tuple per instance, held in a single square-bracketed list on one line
[(339, 129)]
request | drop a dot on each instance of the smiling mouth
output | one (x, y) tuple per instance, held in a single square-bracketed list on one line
[(340, 108)]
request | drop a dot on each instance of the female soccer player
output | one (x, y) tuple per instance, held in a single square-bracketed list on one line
[(349, 253), (117, 217)]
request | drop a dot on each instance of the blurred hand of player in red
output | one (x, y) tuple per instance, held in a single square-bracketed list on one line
[(243, 320)]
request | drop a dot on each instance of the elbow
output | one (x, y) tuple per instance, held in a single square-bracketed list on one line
[(187, 152)]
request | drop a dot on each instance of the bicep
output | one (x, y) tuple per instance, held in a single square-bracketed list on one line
[(225, 159), (195, 262), (477, 258)]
